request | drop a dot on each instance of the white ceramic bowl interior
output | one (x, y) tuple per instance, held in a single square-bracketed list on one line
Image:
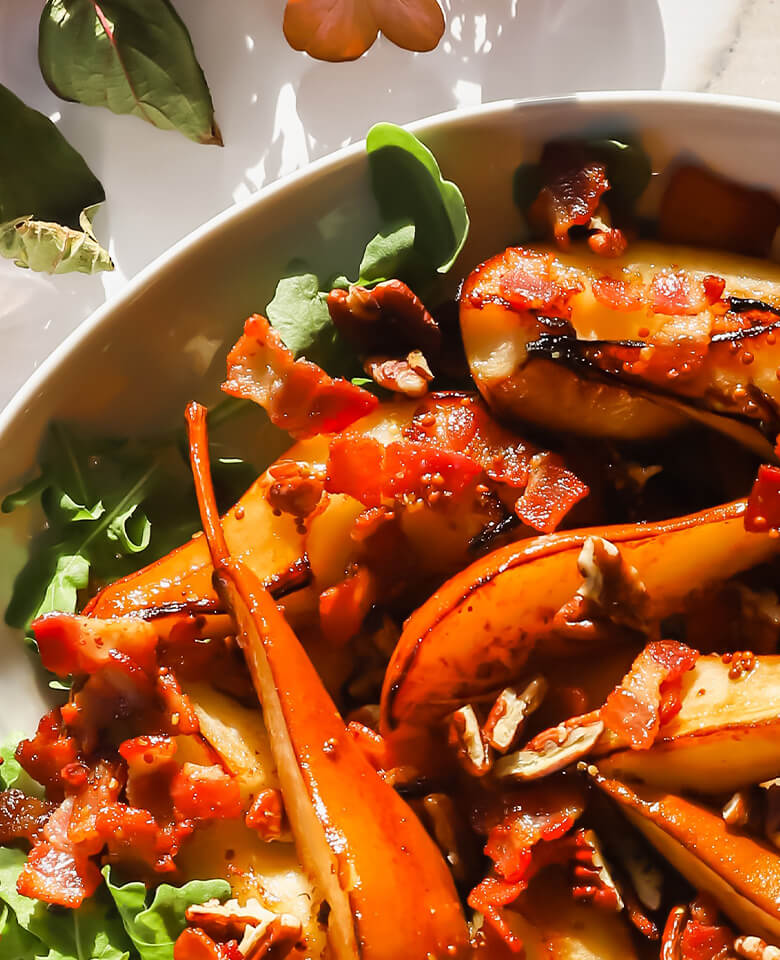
[(128, 370)]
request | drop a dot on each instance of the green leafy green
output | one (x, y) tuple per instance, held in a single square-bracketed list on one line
[(132, 56), (48, 195), (387, 255), (425, 227), (153, 927), (408, 185), (93, 932)]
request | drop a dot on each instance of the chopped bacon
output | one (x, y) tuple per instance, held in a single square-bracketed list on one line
[(488, 897), (649, 694), (570, 200), (100, 791), (297, 395), (344, 607), (205, 793), (22, 817), (763, 506), (703, 937), (676, 293), (133, 836), (150, 768), (617, 294), (179, 714), (388, 319), (531, 284), (70, 644), (551, 492), (265, 814), (371, 472), (55, 871), (295, 489), (45, 755), (608, 243), (195, 944)]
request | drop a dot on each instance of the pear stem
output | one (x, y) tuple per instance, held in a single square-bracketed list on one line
[(198, 435)]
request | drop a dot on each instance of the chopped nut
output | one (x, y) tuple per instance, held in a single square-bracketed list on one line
[(550, 752), (673, 931), (508, 714), (409, 376), (593, 882), (276, 939), (737, 810), (465, 735), (295, 488), (754, 948), (227, 920)]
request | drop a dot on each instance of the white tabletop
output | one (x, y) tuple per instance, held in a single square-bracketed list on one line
[(278, 110)]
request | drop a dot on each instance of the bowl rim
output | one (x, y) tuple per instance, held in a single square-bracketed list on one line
[(625, 99)]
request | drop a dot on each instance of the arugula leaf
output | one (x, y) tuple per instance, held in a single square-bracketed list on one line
[(48, 195), (387, 255), (131, 530), (154, 927), (132, 56), (25, 494), (71, 574), (408, 185), (93, 932)]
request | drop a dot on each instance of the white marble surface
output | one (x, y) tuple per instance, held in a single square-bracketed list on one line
[(279, 110)]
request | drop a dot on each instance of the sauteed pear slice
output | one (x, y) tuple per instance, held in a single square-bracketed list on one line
[(389, 891), (474, 636), (740, 873), (726, 735)]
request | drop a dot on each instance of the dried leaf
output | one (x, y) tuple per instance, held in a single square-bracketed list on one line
[(51, 248)]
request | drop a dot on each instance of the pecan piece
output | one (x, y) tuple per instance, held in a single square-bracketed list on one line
[(508, 714), (295, 488), (409, 376), (754, 948), (550, 752), (465, 736)]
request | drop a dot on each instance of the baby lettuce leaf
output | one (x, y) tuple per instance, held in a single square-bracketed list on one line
[(132, 56), (93, 932), (153, 927), (48, 195), (11, 772), (425, 227), (408, 185)]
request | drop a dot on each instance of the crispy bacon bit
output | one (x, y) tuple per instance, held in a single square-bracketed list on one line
[(488, 898), (609, 242), (617, 294), (180, 717), (471, 749), (390, 319), (508, 714), (70, 644), (205, 793), (47, 753), (677, 293), (54, 871), (263, 933), (133, 836), (297, 395), (570, 200), (670, 940), (22, 817), (296, 489), (703, 938), (371, 472), (763, 507), (195, 944), (151, 766), (409, 376), (649, 694), (551, 492), (531, 284), (344, 607), (265, 814)]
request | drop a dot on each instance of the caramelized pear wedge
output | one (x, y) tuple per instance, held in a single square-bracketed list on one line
[(740, 873), (474, 636), (389, 891), (592, 371), (726, 735)]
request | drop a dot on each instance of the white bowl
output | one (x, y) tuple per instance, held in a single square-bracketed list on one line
[(125, 369)]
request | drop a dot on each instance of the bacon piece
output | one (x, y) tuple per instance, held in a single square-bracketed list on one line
[(551, 492), (22, 817), (763, 507), (265, 814), (608, 243), (180, 717), (297, 395), (371, 472), (570, 200), (55, 872), (45, 755), (195, 944), (488, 898), (134, 837), (388, 319), (617, 294), (205, 793), (676, 293), (532, 284), (703, 937), (649, 694), (71, 644)]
